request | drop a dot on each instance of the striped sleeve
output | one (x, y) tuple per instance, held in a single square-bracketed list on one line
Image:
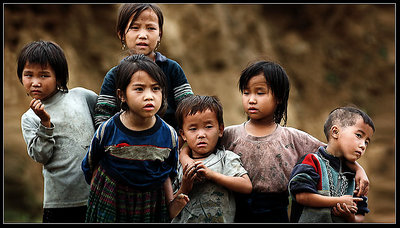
[(182, 91), (106, 107)]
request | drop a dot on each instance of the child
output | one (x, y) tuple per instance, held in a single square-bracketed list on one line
[(57, 129), (140, 28), (134, 153), (322, 180), (268, 150), (217, 172)]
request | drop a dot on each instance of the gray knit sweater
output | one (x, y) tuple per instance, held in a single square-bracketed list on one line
[(62, 147)]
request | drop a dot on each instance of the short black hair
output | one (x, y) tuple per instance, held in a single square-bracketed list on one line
[(277, 80), (197, 103), (43, 53), (344, 117), (139, 62)]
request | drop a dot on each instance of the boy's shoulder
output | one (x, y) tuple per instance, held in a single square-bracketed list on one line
[(225, 155), (82, 91)]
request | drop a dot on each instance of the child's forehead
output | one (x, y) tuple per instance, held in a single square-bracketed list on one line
[(43, 66), (257, 81), (201, 115), (144, 14), (361, 125)]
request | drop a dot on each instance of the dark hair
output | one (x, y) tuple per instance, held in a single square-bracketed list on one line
[(139, 62), (277, 80), (196, 103), (127, 10), (344, 117), (45, 53)]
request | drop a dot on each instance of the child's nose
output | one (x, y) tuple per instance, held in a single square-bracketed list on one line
[(142, 34), (36, 83), (363, 146), (252, 100), (148, 94), (201, 134)]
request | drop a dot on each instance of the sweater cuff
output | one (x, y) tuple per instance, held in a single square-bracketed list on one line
[(46, 131)]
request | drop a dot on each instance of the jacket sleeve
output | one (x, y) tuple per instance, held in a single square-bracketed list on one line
[(181, 86), (172, 159), (305, 176), (94, 154), (39, 139), (106, 105)]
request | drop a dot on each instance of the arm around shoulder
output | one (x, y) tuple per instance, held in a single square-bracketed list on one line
[(240, 184)]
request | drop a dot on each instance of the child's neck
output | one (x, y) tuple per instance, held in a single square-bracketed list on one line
[(260, 127), (330, 149), (199, 157), (135, 122)]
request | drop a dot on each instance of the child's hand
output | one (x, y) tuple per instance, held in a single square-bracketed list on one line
[(347, 212), (184, 157), (38, 109), (362, 183), (177, 204), (203, 172), (188, 177), (349, 200)]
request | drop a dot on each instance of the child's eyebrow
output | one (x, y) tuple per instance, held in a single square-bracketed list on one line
[(143, 84), (41, 72)]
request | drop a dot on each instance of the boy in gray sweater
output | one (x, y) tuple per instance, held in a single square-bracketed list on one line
[(57, 129)]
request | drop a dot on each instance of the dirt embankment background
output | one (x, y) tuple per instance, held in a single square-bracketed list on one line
[(334, 55)]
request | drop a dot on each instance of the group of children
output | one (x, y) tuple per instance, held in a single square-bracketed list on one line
[(148, 150)]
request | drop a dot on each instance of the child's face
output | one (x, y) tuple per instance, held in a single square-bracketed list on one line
[(201, 131), (352, 141), (40, 83), (142, 35), (143, 95), (257, 99)]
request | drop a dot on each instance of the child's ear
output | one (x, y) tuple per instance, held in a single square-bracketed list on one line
[(182, 134), (335, 131), (120, 95), (221, 130)]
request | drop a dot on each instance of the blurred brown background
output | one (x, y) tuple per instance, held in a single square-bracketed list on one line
[(334, 54)]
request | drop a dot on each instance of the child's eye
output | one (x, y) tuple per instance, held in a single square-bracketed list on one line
[(139, 89), (156, 88), (151, 28), (27, 75), (44, 76), (133, 27), (366, 143), (209, 126), (192, 129), (358, 135)]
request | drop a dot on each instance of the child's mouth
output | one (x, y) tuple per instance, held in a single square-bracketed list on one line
[(149, 107), (142, 45), (201, 144), (252, 110)]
